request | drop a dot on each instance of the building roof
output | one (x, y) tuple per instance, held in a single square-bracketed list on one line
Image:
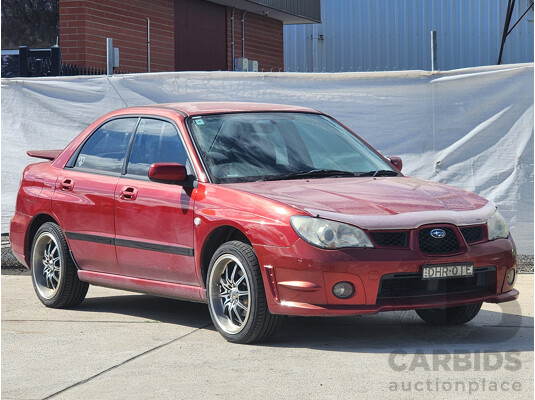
[(287, 11)]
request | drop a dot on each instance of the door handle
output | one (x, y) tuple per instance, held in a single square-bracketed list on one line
[(67, 184), (128, 193)]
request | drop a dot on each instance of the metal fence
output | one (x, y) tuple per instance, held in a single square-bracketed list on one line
[(43, 62), (71, 70)]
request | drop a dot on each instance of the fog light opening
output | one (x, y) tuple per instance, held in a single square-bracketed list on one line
[(343, 290), (511, 276)]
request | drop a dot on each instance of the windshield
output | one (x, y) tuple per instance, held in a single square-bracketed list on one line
[(246, 147)]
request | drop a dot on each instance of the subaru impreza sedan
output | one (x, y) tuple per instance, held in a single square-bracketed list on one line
[(260, 211)]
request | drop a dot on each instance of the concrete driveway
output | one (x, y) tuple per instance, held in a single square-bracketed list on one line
[(120, 345)]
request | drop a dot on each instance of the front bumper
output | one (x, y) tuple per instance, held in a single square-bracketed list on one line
[(299, 279)]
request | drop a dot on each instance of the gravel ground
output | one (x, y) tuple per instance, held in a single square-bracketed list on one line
[(10, 265), (525, 263)]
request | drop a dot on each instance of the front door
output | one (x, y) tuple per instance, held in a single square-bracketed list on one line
[(154, 220)]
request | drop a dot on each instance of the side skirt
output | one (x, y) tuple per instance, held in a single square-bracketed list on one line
[(157, 288)]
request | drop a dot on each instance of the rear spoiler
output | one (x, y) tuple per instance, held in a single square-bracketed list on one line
[(46, 154)]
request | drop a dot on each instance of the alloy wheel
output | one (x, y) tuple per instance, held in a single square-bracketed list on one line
[(230, 293), (46, 265)]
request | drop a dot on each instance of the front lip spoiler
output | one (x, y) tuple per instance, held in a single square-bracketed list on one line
[(503, 297), (295, 308)]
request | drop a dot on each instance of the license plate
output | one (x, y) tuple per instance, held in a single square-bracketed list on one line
[(447, 271)]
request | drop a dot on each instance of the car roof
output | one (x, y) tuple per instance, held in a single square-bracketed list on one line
[(201, 108)]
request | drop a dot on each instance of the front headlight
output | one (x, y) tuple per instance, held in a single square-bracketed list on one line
[(497, 227), (329, 234)]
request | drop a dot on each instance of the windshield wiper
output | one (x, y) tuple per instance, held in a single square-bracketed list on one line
[(314, 173), (379, 172)]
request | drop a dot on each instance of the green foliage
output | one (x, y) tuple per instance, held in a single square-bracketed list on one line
[(32, 23)]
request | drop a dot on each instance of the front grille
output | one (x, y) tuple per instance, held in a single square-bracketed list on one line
[(472, 234), (390, 239), (445, 245), (411, 284)]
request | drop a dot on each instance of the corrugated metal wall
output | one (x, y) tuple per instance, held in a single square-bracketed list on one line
[(383, 35)]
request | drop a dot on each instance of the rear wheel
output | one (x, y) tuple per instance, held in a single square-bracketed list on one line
[(450, 315), (54, 274), (236, 296)]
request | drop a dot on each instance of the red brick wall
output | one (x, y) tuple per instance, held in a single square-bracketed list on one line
[(85, 25), (263, 40)]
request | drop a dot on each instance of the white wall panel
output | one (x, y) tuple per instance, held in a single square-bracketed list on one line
[(472, 128)]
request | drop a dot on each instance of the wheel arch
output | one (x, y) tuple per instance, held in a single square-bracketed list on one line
[(33, 227), (214, 240)]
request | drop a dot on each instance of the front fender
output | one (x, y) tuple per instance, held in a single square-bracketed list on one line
[(259, 229), (264, 221)]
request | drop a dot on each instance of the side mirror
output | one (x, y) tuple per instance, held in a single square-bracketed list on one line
[(167, 172), (396, 162)]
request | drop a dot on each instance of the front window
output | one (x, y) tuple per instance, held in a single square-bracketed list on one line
[(155, 141), (246, 147)]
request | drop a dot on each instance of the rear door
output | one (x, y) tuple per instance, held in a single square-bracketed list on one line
[(154, 220), (84, 197)]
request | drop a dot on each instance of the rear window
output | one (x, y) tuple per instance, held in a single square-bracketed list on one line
[(105, 150)]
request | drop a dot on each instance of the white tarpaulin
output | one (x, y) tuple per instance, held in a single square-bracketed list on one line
[(471, 128)]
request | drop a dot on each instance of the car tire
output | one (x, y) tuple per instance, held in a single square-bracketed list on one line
[(450, 315), (54, 274), (236, 295)]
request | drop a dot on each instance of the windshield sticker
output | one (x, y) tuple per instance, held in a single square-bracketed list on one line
[(81, 160), (141, 127), (199, 121)]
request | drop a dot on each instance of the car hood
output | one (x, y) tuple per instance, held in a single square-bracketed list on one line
[(377, 203)]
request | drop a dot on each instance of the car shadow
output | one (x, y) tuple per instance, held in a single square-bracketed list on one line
[(490, 331), (152, 308), (388, 332)]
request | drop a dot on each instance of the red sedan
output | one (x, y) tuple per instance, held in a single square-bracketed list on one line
[(261, 211)]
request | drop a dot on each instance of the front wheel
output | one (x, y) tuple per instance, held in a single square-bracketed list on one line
[(54, 275), (450, 315), (236, 296)]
